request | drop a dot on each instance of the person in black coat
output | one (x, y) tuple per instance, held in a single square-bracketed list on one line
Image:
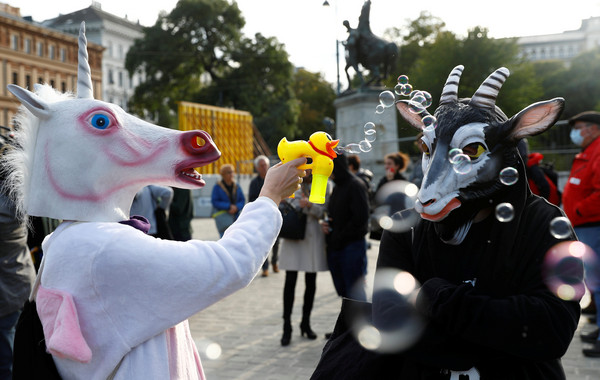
[(348, 215)]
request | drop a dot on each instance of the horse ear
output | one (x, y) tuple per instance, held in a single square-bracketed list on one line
[(31, 101), (414, 119), (535, 118)]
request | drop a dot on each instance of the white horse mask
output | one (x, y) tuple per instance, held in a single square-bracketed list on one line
[(84, 159)]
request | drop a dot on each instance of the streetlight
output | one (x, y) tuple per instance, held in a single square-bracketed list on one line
[(337, 49)]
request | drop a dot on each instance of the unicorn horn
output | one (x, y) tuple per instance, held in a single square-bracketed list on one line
[(84, 74)]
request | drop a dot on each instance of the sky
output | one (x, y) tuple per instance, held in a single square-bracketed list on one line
[(309, 30)]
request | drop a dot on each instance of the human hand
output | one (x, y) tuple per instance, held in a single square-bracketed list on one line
[(232, 209), (282, 180), (303, 201), (325, 226)]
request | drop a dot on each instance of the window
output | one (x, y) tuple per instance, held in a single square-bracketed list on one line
[(40, 49), (52, 83), (28, 45), (15, 78), (40, 80), (111, 80), (63, 86), (52, 52), (28, 82), (120, 51), (120, 79), (63, 54), (14, 42)]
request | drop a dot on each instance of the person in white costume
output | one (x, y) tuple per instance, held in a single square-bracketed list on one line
[(110, 296)]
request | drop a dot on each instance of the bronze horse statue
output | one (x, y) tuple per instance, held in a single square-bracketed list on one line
[(370, 51)]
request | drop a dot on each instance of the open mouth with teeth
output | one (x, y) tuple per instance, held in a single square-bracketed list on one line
[(187, 173)]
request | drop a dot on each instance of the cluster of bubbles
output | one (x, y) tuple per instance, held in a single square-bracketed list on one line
[(564, 263), (364, 145), (395, 196), (394, 324)]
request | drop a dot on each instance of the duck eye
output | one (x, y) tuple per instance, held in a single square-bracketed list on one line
[(100, 121), (328, 136), (474, 150)]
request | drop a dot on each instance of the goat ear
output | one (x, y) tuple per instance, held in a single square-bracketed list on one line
[(414, 119), (31, 101), (535, 118)]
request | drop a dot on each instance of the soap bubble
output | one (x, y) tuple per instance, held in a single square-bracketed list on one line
[(427, 99), (352, 148), (563, 269), (399, 89), (208, 348), (369, 126), (394, 196), (379, 109), (461, 163), (419, 97), (453, 153), (415, 106), (370, 135), (387, 99), (509, 176), (365, 146), (429, 121), (396, 325), (403, 79), (560, 227), (505, 212)]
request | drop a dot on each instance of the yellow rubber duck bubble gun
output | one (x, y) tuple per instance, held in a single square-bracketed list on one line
[(319, 148)]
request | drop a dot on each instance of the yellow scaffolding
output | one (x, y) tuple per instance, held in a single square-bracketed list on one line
[(231, 130)]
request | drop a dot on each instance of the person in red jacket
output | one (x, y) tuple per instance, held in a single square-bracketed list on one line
[(581, 203)]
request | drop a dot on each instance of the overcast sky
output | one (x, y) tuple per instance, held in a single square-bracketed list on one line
[(309, 30)]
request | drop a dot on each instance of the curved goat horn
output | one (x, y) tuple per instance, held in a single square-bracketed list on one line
[(485, 96), (450, 91), (84, 74)]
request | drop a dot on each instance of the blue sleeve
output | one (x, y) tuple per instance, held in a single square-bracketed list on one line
[(219, 199)]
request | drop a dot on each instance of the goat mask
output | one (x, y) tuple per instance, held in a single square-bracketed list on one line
[(452, 198)]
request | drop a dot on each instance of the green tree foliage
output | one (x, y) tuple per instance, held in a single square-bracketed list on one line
[(198, 53), (315, 97)]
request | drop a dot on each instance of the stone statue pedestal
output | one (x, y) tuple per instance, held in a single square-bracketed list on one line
[(352, 113)]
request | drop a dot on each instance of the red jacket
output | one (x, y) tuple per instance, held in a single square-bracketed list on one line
[(581, 195)]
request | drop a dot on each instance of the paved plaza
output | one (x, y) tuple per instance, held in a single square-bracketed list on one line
[(247, 327)]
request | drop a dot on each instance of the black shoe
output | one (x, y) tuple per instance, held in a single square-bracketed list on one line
[(590, 337), (286, 337), (305, 329), (593, 352)]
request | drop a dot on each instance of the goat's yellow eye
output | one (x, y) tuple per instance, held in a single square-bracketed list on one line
[(474, 150), (424, 148)]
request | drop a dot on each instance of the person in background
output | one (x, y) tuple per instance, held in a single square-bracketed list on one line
[(261, 165), (227, 196), (151, 202), (345, 231), (416, 176), (365, 174), (581, 203), (395, 164), (303, 255), (181, 214), (17, 275)]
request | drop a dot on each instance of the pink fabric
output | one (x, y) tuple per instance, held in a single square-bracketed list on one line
[(58, 315), (182, 351)]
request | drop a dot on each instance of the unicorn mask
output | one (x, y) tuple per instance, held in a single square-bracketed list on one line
[(84, 159), (483, 132)]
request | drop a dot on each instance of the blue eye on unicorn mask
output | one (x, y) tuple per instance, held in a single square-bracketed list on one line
[(453, 200), (576, 137)]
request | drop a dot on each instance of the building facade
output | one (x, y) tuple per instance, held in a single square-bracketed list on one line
[(562, 46), (117, 35), (31, 53)]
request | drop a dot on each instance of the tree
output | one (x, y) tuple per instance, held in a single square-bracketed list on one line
[(315, 97), (198, 53)]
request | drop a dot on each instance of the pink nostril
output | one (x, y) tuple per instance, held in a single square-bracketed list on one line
[(428, 202)]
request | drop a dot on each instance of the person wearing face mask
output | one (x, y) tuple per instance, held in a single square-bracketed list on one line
[(581, 203)]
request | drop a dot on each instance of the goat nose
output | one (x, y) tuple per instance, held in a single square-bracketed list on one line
[(427, 203), (198, 142)]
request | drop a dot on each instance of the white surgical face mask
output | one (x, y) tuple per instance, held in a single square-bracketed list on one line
[(576, 137)]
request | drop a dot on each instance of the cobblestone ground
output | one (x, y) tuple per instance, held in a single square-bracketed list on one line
[(247, 327)]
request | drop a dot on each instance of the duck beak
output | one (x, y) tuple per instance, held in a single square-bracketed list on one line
[(330, 146)]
